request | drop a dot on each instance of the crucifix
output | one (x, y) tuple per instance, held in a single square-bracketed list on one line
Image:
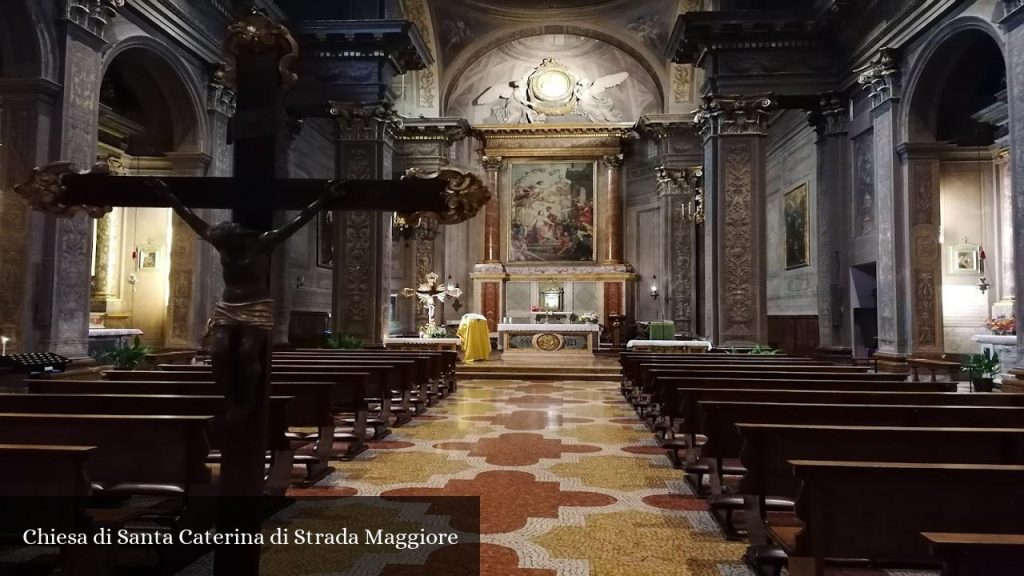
[(428, 292), (261, 53)]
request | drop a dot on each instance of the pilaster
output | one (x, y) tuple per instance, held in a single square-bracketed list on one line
[(681, 193), (493, 165), (735, 295), (1013, 25), (362, 280), (882, 81), (68, 248), (831, 123)]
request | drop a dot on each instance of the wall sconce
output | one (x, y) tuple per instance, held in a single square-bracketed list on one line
[(654, 287), (3, 341), (300, 281)]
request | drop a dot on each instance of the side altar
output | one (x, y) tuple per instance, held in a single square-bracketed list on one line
[(548, 338)]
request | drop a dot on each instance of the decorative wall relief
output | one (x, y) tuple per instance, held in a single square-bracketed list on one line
[(925, 307), (864, 184), (682, 83), (737, 243), (552, 212), (798, 228), (325, 240)]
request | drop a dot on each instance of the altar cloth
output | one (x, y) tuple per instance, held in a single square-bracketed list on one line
[(475, 337)]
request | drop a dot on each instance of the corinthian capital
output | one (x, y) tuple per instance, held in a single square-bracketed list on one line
[(93, 15), (881, 78), (719, 115), (832, 116), (612, 161), (492, 163)]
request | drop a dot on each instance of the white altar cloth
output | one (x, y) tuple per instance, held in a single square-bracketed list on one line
[(669, 344), (110, 332), (396, 341)]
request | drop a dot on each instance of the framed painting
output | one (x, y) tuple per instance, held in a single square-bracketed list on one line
[(325, 239), (797, 226), (964, 260), (149, 258), (553, 212)]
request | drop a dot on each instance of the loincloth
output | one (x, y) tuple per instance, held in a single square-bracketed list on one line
[(256, 314)]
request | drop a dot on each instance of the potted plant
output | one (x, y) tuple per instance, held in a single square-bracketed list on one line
[(128, 356), (759, 350), (982, 370), (344, 342)]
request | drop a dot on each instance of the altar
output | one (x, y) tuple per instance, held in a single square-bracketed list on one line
[(669, 346), (1005, 346), (548, 338), (421, 344)]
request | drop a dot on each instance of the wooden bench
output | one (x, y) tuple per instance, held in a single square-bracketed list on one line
[(310, 407), (977, 554), (440, 364), (281, 448), (876, 511)]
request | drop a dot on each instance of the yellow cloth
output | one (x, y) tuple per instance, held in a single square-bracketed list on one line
[(475, 339)]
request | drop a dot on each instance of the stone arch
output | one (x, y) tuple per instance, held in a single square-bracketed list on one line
[(158, 69), (486, 44), (946, 50), (28, 46)]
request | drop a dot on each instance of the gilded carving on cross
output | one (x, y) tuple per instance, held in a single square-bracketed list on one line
[(430, 291)]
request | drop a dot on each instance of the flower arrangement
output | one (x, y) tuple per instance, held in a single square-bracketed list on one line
[(1002, 325), (433, 331), (588, 317)]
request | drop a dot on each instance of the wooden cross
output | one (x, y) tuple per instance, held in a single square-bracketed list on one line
[(262, 53)]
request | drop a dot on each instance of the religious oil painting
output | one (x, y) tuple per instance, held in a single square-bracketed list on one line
[(325, 239), (797, 220), (552, 212), (963, 259), (149, 259)]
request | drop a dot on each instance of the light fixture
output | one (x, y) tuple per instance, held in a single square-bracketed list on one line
[(3, 341), (654, 287), (983, 284)]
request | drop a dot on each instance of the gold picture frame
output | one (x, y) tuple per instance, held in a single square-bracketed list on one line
[(797, 225), (552, 207)]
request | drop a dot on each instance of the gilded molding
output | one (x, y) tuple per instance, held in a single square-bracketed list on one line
[(464, 195), (257, 32), (44, 188)]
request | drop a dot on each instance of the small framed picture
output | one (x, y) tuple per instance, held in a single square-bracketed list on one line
[(149, 259), (963, 259)]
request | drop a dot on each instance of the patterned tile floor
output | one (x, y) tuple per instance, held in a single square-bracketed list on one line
[(570, 482)]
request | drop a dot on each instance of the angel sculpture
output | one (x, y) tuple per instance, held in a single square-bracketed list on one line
[(510, 102), (590, 101)]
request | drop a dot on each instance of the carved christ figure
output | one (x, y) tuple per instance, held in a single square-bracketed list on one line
[(244, 317)]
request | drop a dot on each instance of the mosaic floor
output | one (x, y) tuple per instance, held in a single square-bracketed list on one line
[(570, 482)]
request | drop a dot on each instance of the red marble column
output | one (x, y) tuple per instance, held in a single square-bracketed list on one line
[(492, 212), (612, 221)]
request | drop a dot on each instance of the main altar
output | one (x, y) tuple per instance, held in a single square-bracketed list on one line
[(548, 338)]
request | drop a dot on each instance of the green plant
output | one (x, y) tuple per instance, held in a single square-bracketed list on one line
[(985, 365), (432, 331), (128, 356), (344, 342), (759, 350)]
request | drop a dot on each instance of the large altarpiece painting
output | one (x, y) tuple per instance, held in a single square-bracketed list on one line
[(552, 212)]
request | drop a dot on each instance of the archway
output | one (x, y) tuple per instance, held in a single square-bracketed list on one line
[(956, 169), (143, 264)]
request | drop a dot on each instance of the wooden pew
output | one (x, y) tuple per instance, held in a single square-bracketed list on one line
[(408, 380), (768, 448), (440, 365), (310, 407), (48, 487), (977, 554), (876, 511), (281, 448), (135, 455), (448, 358)]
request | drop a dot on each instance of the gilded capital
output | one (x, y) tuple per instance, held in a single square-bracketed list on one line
[(613, 161), (719, 115), (492, 163), (881, 78)]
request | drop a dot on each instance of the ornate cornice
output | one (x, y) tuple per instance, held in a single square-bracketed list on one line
[(619, 129), (434, 129), (399, 42), (831, 116), (1014, 10), (720, 115), (92, 15), (355, 116), (744, 30), (666, 125), (881, 77)]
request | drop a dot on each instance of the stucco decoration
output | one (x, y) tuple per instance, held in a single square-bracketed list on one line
[(591, 63)]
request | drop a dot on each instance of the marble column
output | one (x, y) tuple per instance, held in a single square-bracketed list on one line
[(492, 212), (68, 244), (1013, 25), (612, 220), (362, 277), (882, 80), (735, 291), (831, 123)]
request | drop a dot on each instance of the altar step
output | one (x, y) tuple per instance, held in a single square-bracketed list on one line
[(506, 370)]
